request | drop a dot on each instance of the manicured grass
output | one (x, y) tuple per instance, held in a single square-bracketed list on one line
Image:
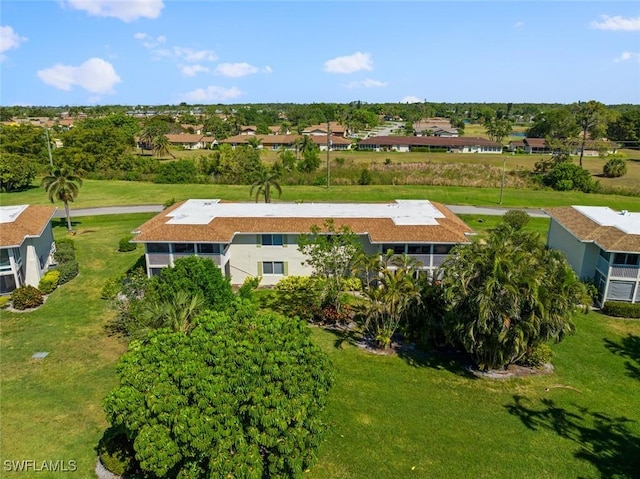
[(483, 224), (109, 193), (428, 417), (51, 408), (420, 416)]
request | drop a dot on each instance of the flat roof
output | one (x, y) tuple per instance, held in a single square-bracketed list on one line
[(218, 222), (8, 214), (401, 212), (625, 221)]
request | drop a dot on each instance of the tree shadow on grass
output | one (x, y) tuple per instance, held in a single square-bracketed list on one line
[(62, 223), (447, 360), (628, 348), (604, 441)]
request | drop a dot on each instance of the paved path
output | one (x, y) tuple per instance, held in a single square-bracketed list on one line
[(121, 210)]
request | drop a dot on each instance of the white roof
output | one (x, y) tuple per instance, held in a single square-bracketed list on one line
[(623, 220), (401, 212), (8, 214)]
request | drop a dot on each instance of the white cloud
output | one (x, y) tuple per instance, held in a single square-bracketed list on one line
[(349, 64), (635, 56), (368, 83), (95, 75), (193, 70), (631, 24), (518, 24), (190, 55), (411, 99), (235, 70), (211, 94), (267, 69), (125, 10), (9, 40)]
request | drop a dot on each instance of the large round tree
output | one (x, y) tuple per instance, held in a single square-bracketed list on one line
[(241, 395), (507, 295)]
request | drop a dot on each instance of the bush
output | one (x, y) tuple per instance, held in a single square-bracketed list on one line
[(116, 451), (566, 176), (248, 286), (65, 251), (615, 168), (49, 281), (537, 356), (365, 177), (351, 284), (179, 171), (516, 219), (68, 270), (300, 296), (26, 297), (125, 244), (621, 309), (4, 301), (111, 288)]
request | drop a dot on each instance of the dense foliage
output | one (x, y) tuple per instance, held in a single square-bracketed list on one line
[(567, 176), (508, 295), (26, 297), (125, 245), (621, 309), (241, 395), (16, 172), (67, 267), (49, 281), (615, 167)]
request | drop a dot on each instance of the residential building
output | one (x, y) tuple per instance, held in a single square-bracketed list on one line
[(463, 144), (26, 245), (601, 244), (539, 146), (190, 141), (275, 142), (260, 239)]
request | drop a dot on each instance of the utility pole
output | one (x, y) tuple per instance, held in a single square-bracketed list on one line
[(46, 134), (504, 166), (328, 161)]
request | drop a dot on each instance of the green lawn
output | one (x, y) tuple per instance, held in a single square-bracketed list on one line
[(389, 416), (110, 193), (482, 224)]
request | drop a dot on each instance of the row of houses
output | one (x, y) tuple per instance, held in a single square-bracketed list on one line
[(540, 146), (249, 239)]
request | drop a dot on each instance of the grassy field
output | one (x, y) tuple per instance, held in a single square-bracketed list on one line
[(96, 193), (410, 416), (483, 224)]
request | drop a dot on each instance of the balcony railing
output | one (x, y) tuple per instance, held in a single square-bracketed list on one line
[(624, 271), (159, 259)]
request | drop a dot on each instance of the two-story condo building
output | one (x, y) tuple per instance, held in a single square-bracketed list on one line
[(26, 245), (600, 244), (260, 239)]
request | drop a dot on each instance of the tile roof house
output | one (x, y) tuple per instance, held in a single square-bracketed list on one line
[(600, 244), (26, 245), (275, 142), (464, 144), (539, 146), (190, 141), (335, 128), (260, 239)]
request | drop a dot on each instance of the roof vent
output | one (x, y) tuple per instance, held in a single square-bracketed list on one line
[(624, 212)]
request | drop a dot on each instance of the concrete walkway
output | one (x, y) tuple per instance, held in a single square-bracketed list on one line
[(122, 210)]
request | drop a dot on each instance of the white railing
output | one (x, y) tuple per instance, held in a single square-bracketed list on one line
[(623, 271)]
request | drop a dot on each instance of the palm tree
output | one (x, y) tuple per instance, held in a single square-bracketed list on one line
[(254, 142), (263, 186), (160, 145), (62, 185), (145, 138)]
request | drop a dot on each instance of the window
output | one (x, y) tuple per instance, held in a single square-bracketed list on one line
[(157, 247), (419, 249), (4, 259), (184, 248), (272, 240), (209, 248), (273, 267), (396, 248), (7, 283), (605, 254), (442, 248), (626, 259)]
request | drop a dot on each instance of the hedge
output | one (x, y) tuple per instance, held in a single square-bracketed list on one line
[(68, 270), (125, 244), (49, 281), (621, 309)]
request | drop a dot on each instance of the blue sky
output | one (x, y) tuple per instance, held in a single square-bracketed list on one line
[(84, 52)]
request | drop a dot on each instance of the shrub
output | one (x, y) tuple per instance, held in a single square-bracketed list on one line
[(65, 251), (179, 171), (26, 297), (111, 288), (125, 244), (248, 286), (49, 281), (566, 176), (4, 301), (351, 284), (68, 270), (615, 168), (300, 296), (169, 202), (537, 356), (621, 309), (116, 451), (365, 177), (516, 219)]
